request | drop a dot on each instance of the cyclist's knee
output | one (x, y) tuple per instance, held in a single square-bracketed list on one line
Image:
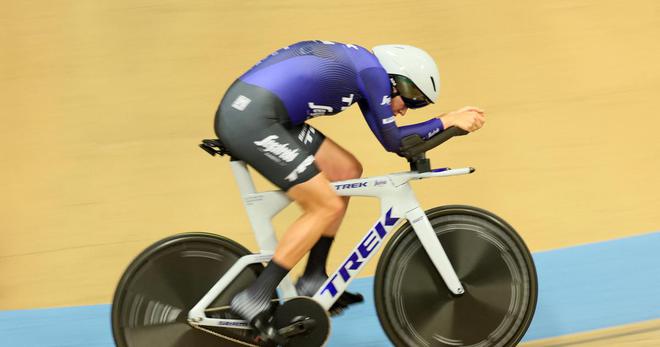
[(352, 170), (327, 207), (334, 207), (316, 197), (336, 162)]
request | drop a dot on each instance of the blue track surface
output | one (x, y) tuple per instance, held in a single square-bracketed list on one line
[(581, 288)]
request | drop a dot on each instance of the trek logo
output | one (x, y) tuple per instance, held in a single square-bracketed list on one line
[(355, 261), (282, 151), (348, 100), (352, 185), (300, 169), (306, 133)]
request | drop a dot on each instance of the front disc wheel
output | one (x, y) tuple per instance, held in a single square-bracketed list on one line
[(495, 267)]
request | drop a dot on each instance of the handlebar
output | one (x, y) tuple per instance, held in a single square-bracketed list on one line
[(414, 148), (413, 145)]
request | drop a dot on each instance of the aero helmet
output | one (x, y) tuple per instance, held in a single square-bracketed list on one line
[(412, 71)]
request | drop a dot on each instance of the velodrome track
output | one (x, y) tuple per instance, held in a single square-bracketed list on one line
[(574, 284), (103, 104)]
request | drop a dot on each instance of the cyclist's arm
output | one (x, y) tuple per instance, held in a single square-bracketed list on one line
[(468, 118), (424, 129), (375, 106), (386, 133)]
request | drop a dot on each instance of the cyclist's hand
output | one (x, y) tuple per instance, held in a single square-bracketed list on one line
[(468, 118)]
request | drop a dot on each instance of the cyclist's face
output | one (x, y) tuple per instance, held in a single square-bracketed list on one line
[(398, 106)]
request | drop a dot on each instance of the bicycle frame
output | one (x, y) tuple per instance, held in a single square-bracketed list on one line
[(397, 202)]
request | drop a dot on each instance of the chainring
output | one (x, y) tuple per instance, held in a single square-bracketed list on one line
[(306, 322)]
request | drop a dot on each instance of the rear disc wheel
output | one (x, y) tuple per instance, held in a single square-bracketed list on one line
[(151, 302)]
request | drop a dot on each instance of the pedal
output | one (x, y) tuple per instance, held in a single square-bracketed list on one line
[(268, 333), (300, 325), (303, 322)]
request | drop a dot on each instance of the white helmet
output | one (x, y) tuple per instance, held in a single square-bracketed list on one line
[(413, 72)]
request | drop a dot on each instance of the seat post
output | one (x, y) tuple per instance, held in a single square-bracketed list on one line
[(243, 178), (260, 215)]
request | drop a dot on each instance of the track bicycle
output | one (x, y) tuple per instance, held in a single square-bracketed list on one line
[(450, 276)]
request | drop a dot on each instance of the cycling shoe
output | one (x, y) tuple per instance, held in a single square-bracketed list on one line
[(345, 299)]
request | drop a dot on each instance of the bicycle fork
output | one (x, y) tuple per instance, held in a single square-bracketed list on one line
[(431, 244)]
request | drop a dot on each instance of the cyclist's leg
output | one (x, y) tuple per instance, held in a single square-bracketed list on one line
[(337, 164), (250, 122), (321, 208), (287, 163)]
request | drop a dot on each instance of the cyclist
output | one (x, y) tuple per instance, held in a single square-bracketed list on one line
[(261, 120)]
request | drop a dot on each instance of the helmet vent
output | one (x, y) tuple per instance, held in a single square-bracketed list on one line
[(433, 82)]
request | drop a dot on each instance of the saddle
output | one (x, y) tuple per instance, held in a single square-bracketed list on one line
[(214, 146)]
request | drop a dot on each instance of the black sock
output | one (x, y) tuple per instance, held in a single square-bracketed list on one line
[(318, 257), (256, 298), (315, 272)]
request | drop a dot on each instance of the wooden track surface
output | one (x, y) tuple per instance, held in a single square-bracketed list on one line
[(103, 104), (645, 334)]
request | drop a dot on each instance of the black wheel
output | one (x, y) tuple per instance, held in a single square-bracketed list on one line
[(151, 303), (495, 267)]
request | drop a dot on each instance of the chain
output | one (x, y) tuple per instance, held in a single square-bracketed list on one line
[(206, 330), (223, 308), (196, 326)]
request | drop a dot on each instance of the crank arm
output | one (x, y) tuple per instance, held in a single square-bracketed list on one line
[(297, 328)]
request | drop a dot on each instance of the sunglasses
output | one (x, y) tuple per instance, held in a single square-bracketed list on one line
[(413, 97)]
